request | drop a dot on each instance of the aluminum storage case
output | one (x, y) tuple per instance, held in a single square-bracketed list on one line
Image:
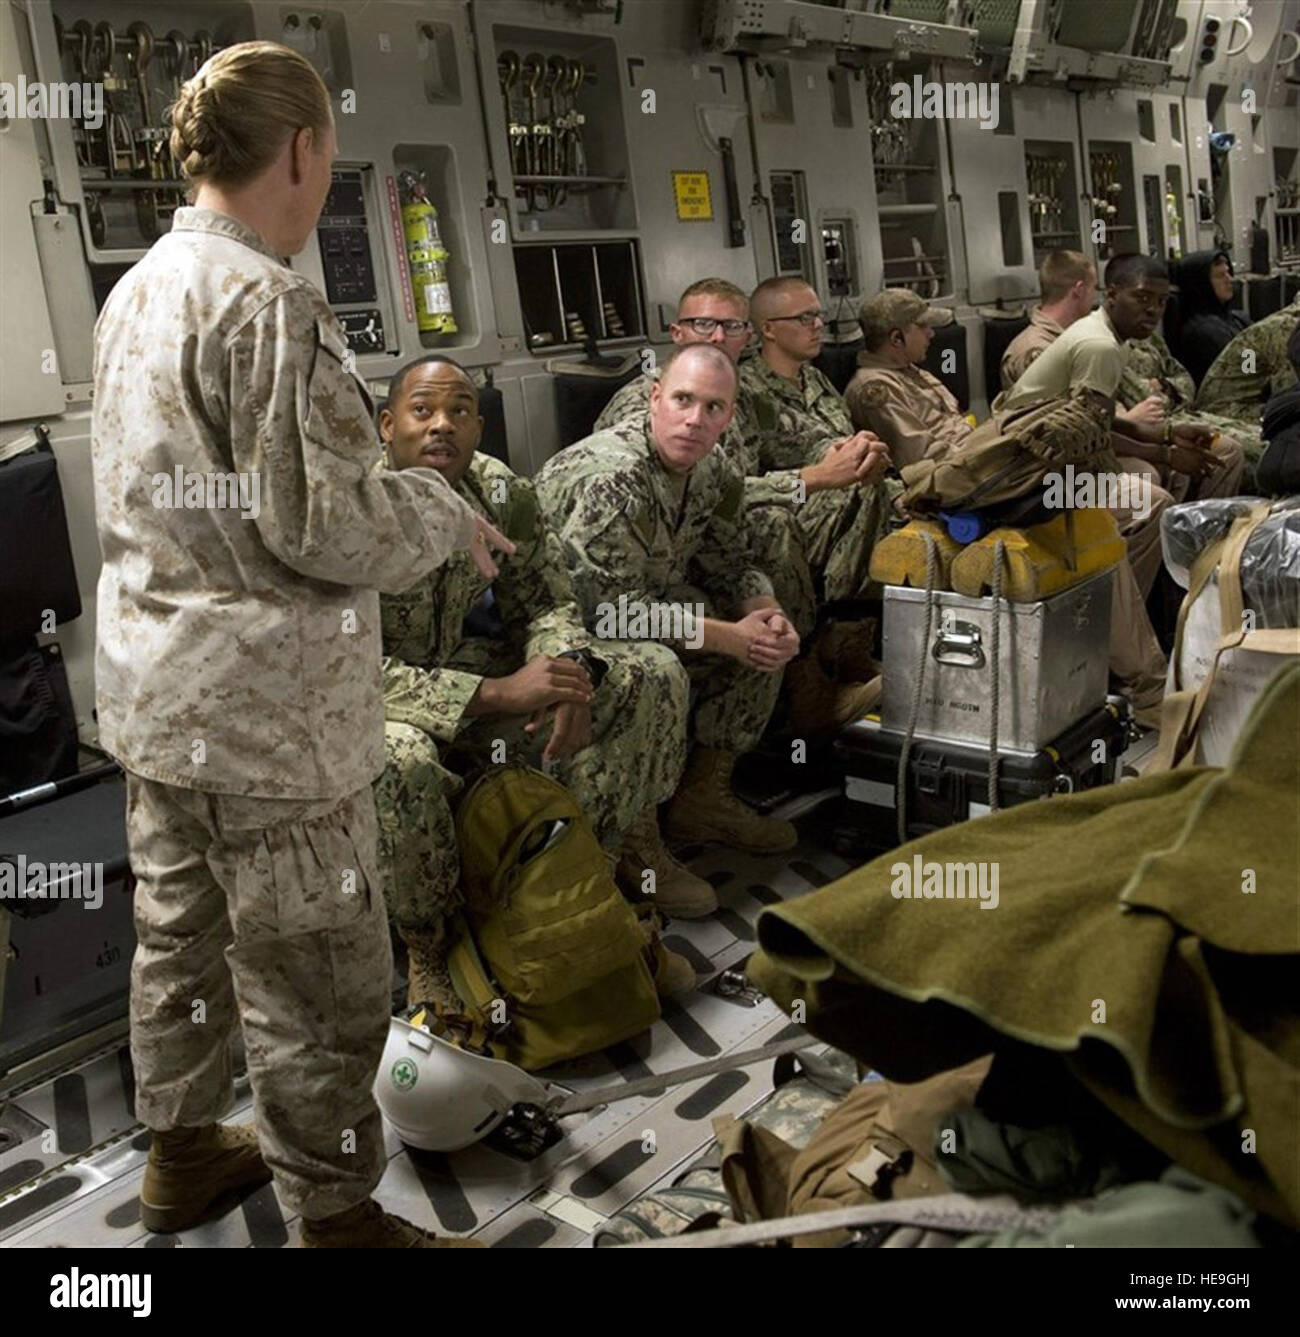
[(1053, 664)]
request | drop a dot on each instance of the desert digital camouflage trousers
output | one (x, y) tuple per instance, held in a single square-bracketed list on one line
[(635, 759), (820, 550), (268, 911)]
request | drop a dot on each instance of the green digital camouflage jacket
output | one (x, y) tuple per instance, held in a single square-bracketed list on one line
[(769, 454), (427, 683), (626, 532), (1236, 392), (1151, 369)]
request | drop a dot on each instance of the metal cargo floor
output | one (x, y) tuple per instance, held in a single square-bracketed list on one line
[(86, 1194)]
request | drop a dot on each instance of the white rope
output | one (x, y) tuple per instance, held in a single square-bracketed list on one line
[(914, 716), (995, 650)]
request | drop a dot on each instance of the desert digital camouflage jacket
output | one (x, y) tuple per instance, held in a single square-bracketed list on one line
[(626, 532), (423, 626), (238, 647)]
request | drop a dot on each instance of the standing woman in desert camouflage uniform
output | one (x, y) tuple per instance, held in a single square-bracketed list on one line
[(245, 528)]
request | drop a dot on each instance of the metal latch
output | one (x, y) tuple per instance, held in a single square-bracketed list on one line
[(734, 986), (958, 643), (927, 773)]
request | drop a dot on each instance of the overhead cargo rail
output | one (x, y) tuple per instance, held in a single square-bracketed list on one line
[(789, 25)]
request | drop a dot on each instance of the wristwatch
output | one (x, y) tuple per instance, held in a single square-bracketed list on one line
[(596, 668)]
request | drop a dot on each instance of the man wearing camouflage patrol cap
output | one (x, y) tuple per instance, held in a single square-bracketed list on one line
[(891, 394), (651, 513)]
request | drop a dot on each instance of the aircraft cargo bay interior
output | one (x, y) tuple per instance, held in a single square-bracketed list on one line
[(650, 624)]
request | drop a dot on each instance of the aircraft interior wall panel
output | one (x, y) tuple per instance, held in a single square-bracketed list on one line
[(698, 101), (70, 439), (796, 131), (1116, 123), (29, 386), (988, 166), (413, 111)]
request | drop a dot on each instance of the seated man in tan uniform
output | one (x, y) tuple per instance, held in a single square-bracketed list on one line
[(918, 418), (1154, 385), (1090, 354), (891, 394), (1067, 281)]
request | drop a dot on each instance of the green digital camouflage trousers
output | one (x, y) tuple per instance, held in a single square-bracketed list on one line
[(818, 551), (635, 760), (269, 912)]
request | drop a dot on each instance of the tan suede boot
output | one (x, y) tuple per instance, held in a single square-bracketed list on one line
[(368, 1226), (677, 891), (427, 977), (845, 651), (673, 974), (705, 809), (820, 707), (190, 1168)]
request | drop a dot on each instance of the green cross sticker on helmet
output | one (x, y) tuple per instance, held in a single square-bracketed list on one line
[(405, 1074)]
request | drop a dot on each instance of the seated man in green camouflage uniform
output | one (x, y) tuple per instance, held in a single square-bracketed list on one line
[(811, 525), (1151, 369), (651, 516), (799, 422), (617, 713), (1241, 379)]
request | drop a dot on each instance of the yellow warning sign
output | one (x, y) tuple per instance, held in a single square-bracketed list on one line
[(691, 191)]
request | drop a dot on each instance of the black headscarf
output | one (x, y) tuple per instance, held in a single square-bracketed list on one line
[(1206, 323)]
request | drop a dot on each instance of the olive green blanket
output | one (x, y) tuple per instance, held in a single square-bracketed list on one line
[(1148, 932)]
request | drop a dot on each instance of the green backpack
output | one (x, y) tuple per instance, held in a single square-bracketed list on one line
[(551, 962)]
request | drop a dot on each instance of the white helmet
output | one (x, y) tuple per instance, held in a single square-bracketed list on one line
[(440, 1097)]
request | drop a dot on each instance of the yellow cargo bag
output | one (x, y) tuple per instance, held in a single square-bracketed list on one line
[(1041, 560), (551, 960)]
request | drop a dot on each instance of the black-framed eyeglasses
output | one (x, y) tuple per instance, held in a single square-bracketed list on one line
[(705, 325), (805, 318)]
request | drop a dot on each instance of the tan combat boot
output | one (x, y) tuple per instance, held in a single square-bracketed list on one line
[(427, 977), (706, 809), (368, 1226), (673, 974), (845, 651), (677, 891), (820, 707), (190, 1168)]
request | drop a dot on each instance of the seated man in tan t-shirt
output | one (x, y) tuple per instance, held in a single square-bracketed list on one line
[(1069, 287)]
